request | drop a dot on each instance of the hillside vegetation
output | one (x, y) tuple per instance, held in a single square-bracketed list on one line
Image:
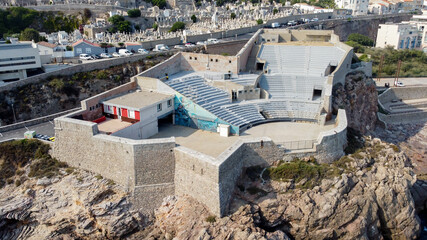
[(414, 62), (14, 20)]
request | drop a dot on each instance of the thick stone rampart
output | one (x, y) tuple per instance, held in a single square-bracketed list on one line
[(331, 143)]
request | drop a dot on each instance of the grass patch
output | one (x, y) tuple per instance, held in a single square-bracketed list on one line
[(299, 170), (16, 154), (211, 219), (46, 167), (99, 177)]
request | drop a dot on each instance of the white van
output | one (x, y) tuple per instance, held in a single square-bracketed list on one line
[(125, 52), (275, 25), (160, 47)]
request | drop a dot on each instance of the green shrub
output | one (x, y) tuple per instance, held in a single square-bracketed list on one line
[(211, 219), (361, 39), (102, 75), (177, 26), (57, 84), (18, 183), (134, 13), (110, 182), (395, 148), (99, 177)]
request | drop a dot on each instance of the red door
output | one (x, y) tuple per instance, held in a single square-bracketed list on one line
[(124, 112), (115, 110)]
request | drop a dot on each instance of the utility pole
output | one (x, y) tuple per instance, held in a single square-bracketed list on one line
[(380, 68), (396, 79)]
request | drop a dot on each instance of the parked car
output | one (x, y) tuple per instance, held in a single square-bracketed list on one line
[(179, 47), (143, 51), (106, 55), (189, 45), (314, 20), (94, 56), (85, 56), (52, 139), (212, 41), (125, 52), (200, 43), (292, 23), (400, 84), (160, 48), (116, 54)]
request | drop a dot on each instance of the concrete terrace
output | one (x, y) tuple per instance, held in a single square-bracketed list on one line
[(212, 144)]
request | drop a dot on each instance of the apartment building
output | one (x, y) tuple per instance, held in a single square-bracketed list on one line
[(16, 59)]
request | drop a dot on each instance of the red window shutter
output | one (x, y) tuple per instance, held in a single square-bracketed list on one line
[(137, 117), (124, 112), (115, 110)]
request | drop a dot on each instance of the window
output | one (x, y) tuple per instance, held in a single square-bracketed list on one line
[(191, 57), (159, 107), (195, 59), (169, 103), (78, 50), (250, 90), (216, 60), (132, 114), (88, 50), (211, 59), (234, 95), (229, 61), (240, 92)]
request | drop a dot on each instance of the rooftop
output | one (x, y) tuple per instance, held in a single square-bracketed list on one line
[(137, 100), (15, 46)]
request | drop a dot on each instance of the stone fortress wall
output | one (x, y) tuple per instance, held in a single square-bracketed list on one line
[(212, 180), (151, 169)]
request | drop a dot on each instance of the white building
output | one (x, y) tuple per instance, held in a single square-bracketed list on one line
[(359, 7), (16, 59), (398, 35)]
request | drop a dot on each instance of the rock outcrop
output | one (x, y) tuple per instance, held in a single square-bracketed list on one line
[(71, 206), (371, 200), (359, 98)]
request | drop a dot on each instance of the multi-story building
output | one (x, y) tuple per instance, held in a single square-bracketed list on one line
[(398, 35), (359, 7), (16, 59)]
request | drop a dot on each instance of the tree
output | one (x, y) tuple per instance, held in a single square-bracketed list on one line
[(116, 19), (134, 13), (259, 21), (87, 13), (155, 26), (361, 39), (233, 15), (124, 26), (275, 11), (121, 44), (29, 34), (194, 18), (177, 26)]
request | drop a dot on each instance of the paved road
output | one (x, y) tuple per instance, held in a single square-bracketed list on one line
[(405, 81), (46, 128)]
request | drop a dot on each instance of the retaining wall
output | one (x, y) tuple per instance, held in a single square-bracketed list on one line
[(86, 67), (35, 121)]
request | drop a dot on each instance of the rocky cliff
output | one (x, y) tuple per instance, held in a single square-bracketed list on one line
[(76, 205), (369, 200), (359, 98)]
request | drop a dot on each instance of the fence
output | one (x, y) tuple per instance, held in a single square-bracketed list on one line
[(297, 145)]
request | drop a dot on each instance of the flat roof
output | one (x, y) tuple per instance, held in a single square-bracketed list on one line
[(137, 99)]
